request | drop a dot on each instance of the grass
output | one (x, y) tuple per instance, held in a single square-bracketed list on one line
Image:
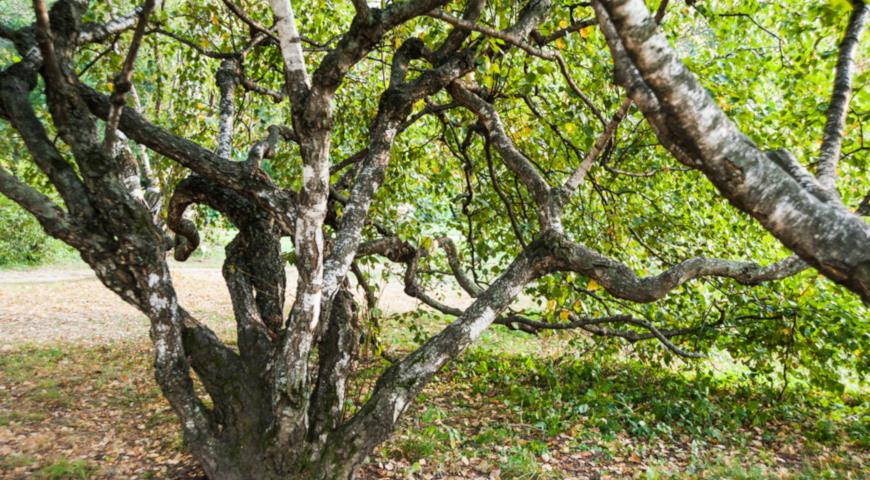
[(530, 409), (529, 412), (533, 417), (63, 469)]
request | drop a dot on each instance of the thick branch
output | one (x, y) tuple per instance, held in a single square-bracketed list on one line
[(295, 74), (823, 233), (621, 282), (227, 79), (400, 384), (235, 175), (829, 154), (49, 215)]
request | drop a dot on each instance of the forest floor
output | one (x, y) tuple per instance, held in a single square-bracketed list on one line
[(78, 400)]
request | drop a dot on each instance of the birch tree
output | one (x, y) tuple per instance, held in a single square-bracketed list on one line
[(567, 152)]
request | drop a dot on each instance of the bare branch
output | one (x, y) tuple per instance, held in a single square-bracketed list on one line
[(829, 155), (591, 326), (98, 32), (577, 176), (621, 282), (122, 80), (516, 160)]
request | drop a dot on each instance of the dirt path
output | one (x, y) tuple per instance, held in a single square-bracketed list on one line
[(68, 304)]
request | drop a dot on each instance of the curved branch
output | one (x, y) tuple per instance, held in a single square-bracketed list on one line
[(513, 158), (822, 232), (122, 80), (621, 282), (591, 326), (253, 183)]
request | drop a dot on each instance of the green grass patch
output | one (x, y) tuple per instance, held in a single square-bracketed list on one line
[(63, 469)]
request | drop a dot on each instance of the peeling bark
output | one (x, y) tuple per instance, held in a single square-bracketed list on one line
[(823, 233)]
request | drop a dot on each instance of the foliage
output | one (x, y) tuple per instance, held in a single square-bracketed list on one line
[(526, 415), (63, 469), (23, 241)]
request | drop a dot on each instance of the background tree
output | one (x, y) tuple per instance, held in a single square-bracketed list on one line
[(481, 143)]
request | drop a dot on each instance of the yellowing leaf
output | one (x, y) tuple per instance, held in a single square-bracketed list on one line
[(563, 24), (551, 305), (592, 285), (426, 243)]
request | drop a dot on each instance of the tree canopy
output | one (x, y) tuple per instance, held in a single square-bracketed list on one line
[(685, 177)]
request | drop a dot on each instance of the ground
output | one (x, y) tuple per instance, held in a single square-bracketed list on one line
[(78, 400)]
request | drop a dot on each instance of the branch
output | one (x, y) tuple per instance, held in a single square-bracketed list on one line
[(295, 74), (515, 224), (122, 80), (590, 325), (401, 383), (14, 99), (227, 80), (45, 40), (195, 46), (513, 158), (823, 233), (98, 32), (832, 140), (235, 175), (50, 216), (621, 282), (395, 106), (573, 181)]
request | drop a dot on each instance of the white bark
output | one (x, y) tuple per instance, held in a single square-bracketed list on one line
[(290, 42)]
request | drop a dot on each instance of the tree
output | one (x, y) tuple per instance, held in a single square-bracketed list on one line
[(354, 104)]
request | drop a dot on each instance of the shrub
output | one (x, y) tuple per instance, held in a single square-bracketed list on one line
[(22, 240)]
